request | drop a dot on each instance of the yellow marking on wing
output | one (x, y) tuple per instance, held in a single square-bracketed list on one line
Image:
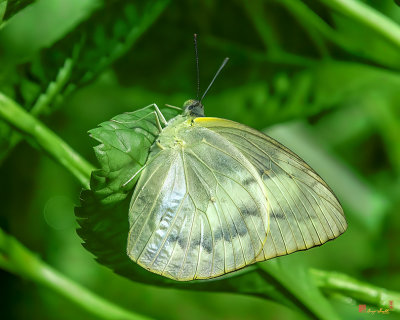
[(211, 121)]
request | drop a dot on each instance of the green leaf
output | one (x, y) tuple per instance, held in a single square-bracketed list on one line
[(77, 59), (9, 8), (125, 141)]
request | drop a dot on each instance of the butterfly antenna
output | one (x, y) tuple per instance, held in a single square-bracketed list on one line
[(197, 65), (216, 75)]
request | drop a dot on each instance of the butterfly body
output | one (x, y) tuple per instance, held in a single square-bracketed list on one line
[(216, 195)]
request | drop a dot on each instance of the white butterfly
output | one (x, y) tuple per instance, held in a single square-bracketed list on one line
[(215, 196)]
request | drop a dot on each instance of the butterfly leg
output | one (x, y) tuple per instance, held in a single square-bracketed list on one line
[(157, 121), (173, 107), (158, 115), (158, 112)]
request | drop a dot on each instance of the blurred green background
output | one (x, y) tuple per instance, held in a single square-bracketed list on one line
[(323, 81)]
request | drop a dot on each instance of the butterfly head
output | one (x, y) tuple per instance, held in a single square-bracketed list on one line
[(193, 108)]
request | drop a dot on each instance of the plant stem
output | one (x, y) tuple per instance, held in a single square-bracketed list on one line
[(255, 12), (310, 22), (283, 57), (16, 116), (368, 16), (274, 53), (296, 281), (358, 290), (15, 258), (43, 101)]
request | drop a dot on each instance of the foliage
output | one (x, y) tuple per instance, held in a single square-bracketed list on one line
[(125, 142), (324, 74), (78, 58), (8, 8)]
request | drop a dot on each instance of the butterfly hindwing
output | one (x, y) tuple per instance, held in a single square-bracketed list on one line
[(199, 209), (304, 212)]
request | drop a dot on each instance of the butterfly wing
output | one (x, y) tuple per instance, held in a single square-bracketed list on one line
[(199, 209), (304, 212)]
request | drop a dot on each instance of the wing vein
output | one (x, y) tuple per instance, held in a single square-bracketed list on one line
[(152, 207), (290, 207), (205, 187), (241, 214), (222, 151)]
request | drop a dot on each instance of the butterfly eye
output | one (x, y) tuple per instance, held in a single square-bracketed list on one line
[(189, 103)]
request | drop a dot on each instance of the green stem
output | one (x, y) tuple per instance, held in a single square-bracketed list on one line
[(43, 101), (274, 53), (314, 23), (16, 116), (368, 16), (283, 57), (255, 12), (15, 258), (358, 290), (297, 283), (302, 14)]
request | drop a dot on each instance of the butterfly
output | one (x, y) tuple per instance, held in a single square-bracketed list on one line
[(215, 196)]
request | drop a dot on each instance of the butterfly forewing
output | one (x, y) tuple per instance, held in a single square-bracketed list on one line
[(199, 210), (304, 212)]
